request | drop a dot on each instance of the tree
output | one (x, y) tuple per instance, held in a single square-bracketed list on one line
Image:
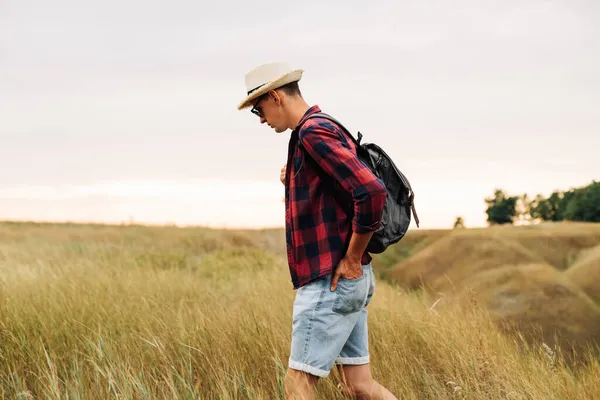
[(547, 209), (584, 204), (502, 209), (459, 223), (554, 202), (553, 208), (563, 204), (579, 204), (540, 209), (560, 206)]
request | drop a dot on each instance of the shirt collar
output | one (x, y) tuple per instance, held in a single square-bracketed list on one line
[(314, 109)]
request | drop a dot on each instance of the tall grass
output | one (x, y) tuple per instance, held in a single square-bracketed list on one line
[(155, 314)]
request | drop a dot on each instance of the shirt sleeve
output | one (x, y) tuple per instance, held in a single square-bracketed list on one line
[(323, 143)]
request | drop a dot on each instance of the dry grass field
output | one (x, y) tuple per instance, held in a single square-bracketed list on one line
[(543, 279), (109, 312), (586, 272)]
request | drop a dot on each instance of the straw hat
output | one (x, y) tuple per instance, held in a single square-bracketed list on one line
[(267, 77)]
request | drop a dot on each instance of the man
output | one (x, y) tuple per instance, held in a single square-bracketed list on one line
[(333, 203)]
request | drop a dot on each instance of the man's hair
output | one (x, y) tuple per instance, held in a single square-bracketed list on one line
[(291, 89)]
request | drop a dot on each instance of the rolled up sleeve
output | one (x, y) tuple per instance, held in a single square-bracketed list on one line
[(323, 143)]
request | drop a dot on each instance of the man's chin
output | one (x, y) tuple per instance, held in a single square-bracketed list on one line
[(280, 130)]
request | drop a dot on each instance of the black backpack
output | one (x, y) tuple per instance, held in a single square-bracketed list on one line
[(400, 197)]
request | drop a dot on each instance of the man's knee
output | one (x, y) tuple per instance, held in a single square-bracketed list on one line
[(358, 390)]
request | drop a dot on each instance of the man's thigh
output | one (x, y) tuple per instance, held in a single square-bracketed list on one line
[(324, 320), (356, 348)]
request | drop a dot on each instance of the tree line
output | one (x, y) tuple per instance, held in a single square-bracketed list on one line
[(576, 204)]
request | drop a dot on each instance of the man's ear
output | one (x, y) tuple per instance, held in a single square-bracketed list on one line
[(275, 96)]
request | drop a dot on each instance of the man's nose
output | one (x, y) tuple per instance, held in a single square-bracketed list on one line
[(262, 120)]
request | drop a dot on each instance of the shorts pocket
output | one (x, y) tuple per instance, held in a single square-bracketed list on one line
[(350, 295)]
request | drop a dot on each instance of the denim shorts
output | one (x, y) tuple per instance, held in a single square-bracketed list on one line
[(331, 327)]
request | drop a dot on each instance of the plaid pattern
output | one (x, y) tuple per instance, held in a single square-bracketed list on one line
[(329, 193)]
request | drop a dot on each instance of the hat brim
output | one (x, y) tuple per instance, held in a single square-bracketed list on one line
[(289, 77)]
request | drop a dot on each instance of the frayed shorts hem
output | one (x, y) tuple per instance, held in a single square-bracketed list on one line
[(307, 368), (352, 360)]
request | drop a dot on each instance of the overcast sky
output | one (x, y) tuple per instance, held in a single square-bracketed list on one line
[(111, 110)]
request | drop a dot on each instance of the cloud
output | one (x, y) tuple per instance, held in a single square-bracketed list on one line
[(200, 202), (206, 190)]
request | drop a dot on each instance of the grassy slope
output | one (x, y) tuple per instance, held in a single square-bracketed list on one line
[(462, 253), (586, 272), (413, 242), (516, 273), (133, 312)]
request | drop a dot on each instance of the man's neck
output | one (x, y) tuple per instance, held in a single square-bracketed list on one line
[(297, 111)]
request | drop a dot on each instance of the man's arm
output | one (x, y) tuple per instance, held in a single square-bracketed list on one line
[(358, 245), (324, 145), (368, 192)]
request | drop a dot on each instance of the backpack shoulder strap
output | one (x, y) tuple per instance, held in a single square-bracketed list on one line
[(329, 117)]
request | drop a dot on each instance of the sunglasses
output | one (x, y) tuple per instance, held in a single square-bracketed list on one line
[(255, 110)]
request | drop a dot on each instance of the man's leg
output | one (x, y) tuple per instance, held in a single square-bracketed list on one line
[(322, 321), (354, 368), (299, 385), (357, 381)]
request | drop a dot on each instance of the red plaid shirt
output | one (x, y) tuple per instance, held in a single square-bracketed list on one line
[(329, 193)]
